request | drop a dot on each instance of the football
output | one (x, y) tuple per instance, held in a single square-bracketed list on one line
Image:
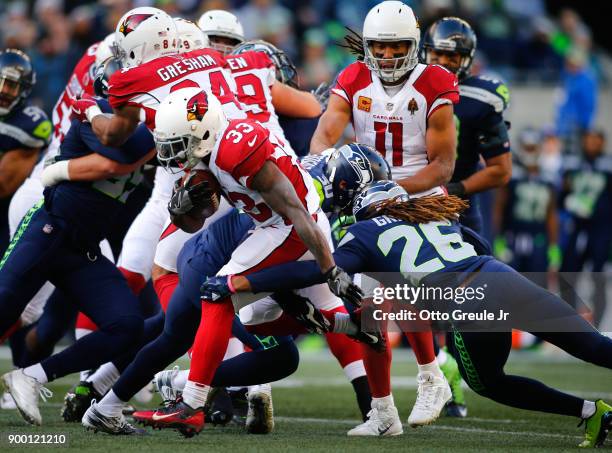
[(205, 203)]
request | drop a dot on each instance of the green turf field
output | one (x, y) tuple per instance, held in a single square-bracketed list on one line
[(315, 407)]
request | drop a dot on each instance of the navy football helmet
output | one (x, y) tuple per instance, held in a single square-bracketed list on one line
[(285, 69), (375, 193), (451, 34), (17, 78), (350, 168), (103, 74)]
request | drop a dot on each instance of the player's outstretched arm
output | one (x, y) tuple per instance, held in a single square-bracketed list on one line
[(114, 130), (15, 166), (93, 167), (280, 195), (294, 103), (441, 143), (331, 125)]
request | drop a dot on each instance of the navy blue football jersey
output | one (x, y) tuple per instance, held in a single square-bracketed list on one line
[(93, 206), (480, 124), (299, 132), (316, 166), (26, 126), (529, 196), (383, 244), (589, 187)]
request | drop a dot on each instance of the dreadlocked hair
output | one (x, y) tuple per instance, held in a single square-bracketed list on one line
[(354, 43), (423, 209)]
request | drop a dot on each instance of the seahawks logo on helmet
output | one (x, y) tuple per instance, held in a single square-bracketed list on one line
[(130, 23), (197, 106)]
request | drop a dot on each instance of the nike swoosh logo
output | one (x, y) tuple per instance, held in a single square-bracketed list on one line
[(161, 417), (252, 142), (455, 83), (383, 431)]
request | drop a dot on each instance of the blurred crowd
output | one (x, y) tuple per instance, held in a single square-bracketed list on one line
[(518, 39)]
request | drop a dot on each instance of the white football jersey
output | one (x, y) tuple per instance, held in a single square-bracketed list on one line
[(396, 125)]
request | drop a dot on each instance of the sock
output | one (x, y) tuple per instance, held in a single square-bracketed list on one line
[(343, 324), (135, 281), (164, 287), (441, 357), (383, 401), (378, 368), (37, 372), (364, 397), (195, 395), (260, 388), (588, 409), (179, 381), (422, 345), (111, 405), (104, 377), (346, 351), (211, 340), (432, 368)]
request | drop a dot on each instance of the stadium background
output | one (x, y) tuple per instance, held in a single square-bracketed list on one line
[(530, 44)]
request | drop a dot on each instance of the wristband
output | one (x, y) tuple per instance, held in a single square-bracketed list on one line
[(55, 173), (92, 112), (455, 188)]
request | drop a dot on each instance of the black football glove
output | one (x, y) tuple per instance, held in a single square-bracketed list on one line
[(186, 196), (455, 188), (341, 284)]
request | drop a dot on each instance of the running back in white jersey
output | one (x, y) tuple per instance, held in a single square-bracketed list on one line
[(254, 74), (396, 125), (148, 85), (241, 152)]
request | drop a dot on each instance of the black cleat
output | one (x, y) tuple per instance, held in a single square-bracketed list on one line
[(78, 400)]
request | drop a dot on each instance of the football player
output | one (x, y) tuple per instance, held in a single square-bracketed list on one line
[(384, 213), (526, 214), (24, 129), (58, 240), (450, 42), (405, 111)]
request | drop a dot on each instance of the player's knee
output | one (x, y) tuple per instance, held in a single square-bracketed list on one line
[(129, 326)]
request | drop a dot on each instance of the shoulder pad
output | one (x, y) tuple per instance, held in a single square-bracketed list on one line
[(353, 78), (29, 125), (604, 163), (487, 90)]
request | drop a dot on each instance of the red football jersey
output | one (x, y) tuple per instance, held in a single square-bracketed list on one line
[(241, 152), (81, 81), (148, 85)]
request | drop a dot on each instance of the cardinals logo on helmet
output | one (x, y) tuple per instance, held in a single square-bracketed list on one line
[(130, 23), (197, 106)]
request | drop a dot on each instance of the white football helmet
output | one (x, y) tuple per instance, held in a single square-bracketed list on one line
[(190, 36), (105, 49), (223, 24), (143, 34), (391, 20), (187, 124)]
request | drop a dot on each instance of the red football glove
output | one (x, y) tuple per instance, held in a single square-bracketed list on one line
[(79, 108)]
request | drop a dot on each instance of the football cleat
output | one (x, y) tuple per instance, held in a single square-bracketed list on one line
[(456, 407), (432, 394), (260, 415), (218, 409), (597, 426), (163, 383), (78, 400), (25, 390), (303, 311), (383, 420), (7, 402), (174, 414), (240, 405), (95, 420)]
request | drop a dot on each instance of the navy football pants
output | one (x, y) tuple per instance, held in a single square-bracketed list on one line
[(43, 249)]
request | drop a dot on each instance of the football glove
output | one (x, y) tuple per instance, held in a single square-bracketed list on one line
[(215, 289), (85, 108), (341, 284), (186, 196)]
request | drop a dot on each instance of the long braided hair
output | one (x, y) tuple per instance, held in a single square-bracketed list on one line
[(422, 210), (354, 43)]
